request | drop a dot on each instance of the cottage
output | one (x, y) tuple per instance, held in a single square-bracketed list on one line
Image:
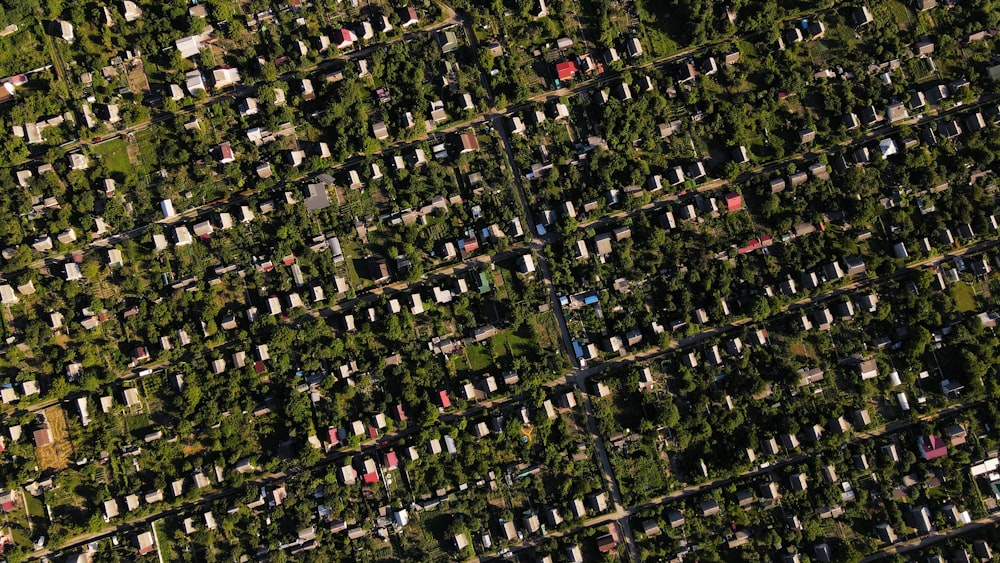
[(931, 447)]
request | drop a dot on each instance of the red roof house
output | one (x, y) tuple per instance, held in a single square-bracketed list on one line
[(226, 154), (606, 544), (734, 201), (443, 397), (932, 447), (752, 245), (370, 478), (391, 461), (566, 70), (344, 38), (333, 436), (470, 244), (408, 16), (8, 501), (400, 414)]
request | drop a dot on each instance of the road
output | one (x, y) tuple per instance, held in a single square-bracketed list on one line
[(933, 538)]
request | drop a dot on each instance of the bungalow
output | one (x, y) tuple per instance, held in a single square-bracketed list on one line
[(408, 16), (798, 482), (633, 47), (897, 112), (225, 76), (343, 38), (566, 70), (144, 543), (194, 82), (448, 41), (949, 129), (675, 175), (733, 201), (931, 447), (868, 369)]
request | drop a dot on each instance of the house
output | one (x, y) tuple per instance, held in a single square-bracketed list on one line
[(675, 175), (468, 142), (709, 507), (343, 38), (931, 447), (956, 434), (225, 153), (949, 129), (188, 46), (131, 11), (733, 201), (885, 533), (194, 82), (566, 70), (982, 550), (448, 41), (598, 502), (78, 161), (868, 369), (920, 518), (408, 16), (144, 543), (798, 482), (897, 112), (225, 76), (43, 435)]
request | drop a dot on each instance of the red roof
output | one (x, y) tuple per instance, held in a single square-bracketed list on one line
[(400, 414), (932, 447), (373, 432), (606, 543), (408, 15), (443, 397), (565, 70), (8, 506), (333, 436), (754, 244), (471, 244), (734, 201), (370, 478), (258, 367), (343, 37), (391, 461)]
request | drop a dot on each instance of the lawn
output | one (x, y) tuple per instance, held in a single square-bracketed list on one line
[(474, 360), (965, 300), (114, 153)]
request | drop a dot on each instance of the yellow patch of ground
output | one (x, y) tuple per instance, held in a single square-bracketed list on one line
[(57, 454)]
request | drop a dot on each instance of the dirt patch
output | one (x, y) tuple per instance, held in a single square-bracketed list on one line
[(136, 77), (57, 454)]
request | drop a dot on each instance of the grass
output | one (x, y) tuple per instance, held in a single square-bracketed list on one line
[(900, 15), (35, 507), (964, 298), (146, 139), (114, 153), (802, 350)]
